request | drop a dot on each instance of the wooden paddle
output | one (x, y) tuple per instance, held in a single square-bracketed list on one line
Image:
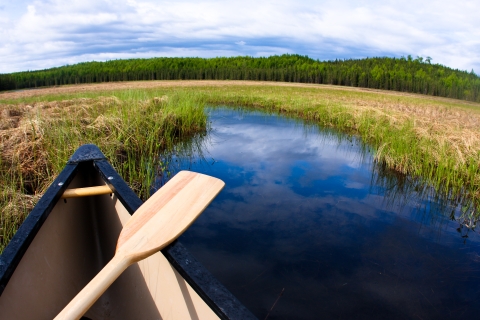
[(159, 221)]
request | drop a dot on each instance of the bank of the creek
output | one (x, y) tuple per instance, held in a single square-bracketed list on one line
[(309, 227)]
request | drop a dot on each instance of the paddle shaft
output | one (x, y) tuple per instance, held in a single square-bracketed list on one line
[(95, 288)]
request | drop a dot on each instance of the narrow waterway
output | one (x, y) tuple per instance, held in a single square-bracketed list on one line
[(308, 227)]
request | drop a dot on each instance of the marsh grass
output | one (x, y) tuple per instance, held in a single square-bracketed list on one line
[(434, 141), (131, 129)]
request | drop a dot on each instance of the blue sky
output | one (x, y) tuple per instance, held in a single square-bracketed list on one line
[(48, 33)]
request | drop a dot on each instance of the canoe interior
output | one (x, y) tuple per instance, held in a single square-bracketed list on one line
[(76, 240)]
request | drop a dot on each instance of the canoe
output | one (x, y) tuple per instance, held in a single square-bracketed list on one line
[(64, 243)]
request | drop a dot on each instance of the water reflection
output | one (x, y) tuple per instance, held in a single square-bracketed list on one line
[(309, 214), (400, 190)]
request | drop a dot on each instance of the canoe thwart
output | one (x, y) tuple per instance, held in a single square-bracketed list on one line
[(85, 192)]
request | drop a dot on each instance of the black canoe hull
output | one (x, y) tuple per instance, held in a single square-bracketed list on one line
[(63, 244)]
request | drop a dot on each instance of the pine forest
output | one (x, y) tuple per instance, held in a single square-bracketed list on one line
[(405, 74)]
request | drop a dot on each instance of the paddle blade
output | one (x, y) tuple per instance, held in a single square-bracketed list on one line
[(167, 214)]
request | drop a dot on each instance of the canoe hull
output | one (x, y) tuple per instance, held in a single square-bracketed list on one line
[(78, 237)]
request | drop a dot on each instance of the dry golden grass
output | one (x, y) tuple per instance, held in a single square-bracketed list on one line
[(37, 137), (450, 128), (26, 169)]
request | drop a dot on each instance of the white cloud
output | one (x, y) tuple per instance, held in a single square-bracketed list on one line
[(40, 34)]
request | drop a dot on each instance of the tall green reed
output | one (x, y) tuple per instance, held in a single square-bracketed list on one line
[(132, 129)]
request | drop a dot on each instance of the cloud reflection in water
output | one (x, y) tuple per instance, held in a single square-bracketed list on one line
[(299, 212)]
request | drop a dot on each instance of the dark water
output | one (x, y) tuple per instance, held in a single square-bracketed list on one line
[(308, 225)]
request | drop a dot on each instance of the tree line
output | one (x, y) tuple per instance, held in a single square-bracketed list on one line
[(405, 74)]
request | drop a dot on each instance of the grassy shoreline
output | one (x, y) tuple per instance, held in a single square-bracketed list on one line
[(437, 140), (37, 138)]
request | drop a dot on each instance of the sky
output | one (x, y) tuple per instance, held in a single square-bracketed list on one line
[(48, 33)]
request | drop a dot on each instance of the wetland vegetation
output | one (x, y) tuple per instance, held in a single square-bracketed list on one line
[(38, 137), (433, 140)]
